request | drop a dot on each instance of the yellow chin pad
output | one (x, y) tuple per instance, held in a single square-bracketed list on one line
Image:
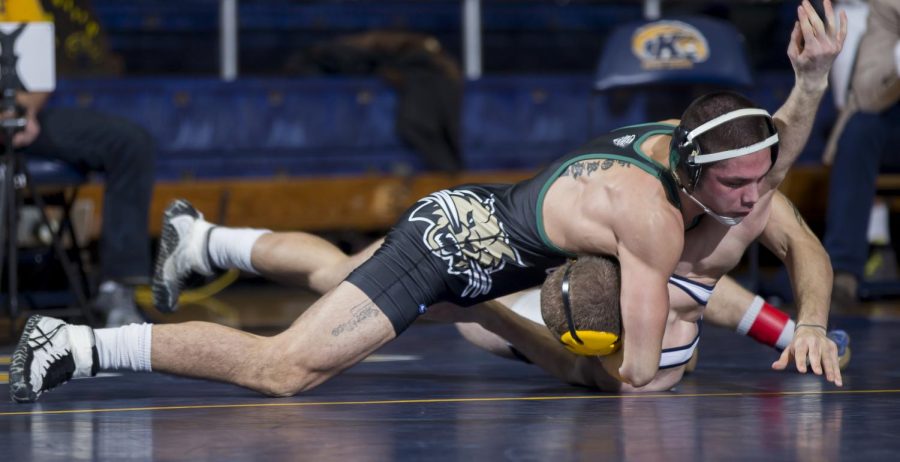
[(595, 343)]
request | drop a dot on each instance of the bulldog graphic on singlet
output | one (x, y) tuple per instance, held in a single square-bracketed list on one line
[(464, 231)]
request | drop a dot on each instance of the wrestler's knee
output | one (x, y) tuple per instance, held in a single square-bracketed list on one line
[(280, 372), (283, 379)]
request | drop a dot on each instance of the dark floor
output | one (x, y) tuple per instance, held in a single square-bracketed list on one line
[(431, 396)]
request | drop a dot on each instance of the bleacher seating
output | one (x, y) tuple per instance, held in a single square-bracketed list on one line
[(344, 126)]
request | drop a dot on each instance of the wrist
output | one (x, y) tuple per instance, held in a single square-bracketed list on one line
[(813, 86), (809, 325)]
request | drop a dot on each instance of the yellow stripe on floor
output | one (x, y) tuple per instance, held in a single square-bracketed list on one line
[(4, 360), (597, 397)]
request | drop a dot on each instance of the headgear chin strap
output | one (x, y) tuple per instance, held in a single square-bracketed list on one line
[(584, 342), (727, 221), (685, 151)]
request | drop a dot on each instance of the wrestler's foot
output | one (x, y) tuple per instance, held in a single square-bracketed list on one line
[(183, 253), (842, 339), (49, 353)]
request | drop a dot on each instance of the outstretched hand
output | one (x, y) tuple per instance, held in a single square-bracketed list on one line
[(812, 349), (815, 44)]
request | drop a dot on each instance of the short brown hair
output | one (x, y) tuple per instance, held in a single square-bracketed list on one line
[(733, 134), (594, 284)]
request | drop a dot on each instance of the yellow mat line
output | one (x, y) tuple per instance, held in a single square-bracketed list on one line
[(4, 360), (451, 400)]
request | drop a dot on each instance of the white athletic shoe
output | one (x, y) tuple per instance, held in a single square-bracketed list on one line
[(183, 253), (49, 353)]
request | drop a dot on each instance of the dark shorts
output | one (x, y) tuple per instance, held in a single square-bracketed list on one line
[(450, 246)]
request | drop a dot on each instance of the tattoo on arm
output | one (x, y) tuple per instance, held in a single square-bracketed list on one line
[(798, 216), (358, 315)]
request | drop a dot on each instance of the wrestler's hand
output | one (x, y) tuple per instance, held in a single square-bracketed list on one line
[(27, 134), (811, 348), (815, 44)]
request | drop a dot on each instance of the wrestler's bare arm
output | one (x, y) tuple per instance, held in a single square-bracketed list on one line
[(787, 235), (813, 47), (647, 256), (536, 343)]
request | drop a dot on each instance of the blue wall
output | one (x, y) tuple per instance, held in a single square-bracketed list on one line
[(336, 126)]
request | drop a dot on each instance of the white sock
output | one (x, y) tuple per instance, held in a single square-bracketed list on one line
[(126, 347), (879, 232), (231, 247)]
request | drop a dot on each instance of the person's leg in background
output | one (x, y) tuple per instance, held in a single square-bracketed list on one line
[(850, 197), (125, 153)]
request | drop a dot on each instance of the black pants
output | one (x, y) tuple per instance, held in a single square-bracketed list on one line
[(125, 154)]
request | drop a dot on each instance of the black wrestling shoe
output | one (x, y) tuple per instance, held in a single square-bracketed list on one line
[(183, 257), (49, 353)]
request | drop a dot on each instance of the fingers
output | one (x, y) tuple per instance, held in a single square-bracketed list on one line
[(782, 362), (814, 20), (796, 42), (809, 33), (829, 14), (829, 10), (836, 370), (817, 354), (832, 369), (800, 355), (813, 17), (814, 360)]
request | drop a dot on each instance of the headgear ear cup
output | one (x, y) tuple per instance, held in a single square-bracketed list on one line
[(681, 153), (584, 342)]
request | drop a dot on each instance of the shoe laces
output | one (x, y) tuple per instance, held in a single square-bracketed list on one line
[(45, 339)]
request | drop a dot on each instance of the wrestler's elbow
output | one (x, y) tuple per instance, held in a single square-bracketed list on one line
[(638, 375)]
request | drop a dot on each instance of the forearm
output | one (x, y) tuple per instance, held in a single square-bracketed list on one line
[(794, 121), (811, 277)]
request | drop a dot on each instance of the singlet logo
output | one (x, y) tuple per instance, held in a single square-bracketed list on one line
[(669, 45), (465, 232), (623, 141)]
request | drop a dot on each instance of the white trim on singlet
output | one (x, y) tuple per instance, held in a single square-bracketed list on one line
[(679, 356), (529, 306), (699, 292)]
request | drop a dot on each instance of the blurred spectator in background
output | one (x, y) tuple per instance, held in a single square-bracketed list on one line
[(863, 143), (428, 83), (122, 151)]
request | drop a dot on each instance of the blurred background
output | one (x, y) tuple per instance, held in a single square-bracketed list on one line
[(333, 116)]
